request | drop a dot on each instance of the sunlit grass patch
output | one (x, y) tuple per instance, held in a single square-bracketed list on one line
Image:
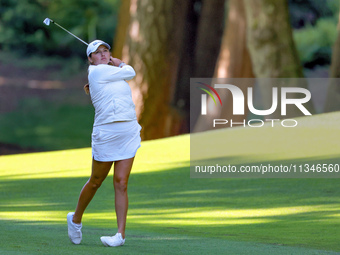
[(37, 190)]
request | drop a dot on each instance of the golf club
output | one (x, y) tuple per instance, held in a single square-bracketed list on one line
[(47, 22)]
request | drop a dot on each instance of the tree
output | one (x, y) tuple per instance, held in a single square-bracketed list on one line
[(272, 48), (152, 47), (168, 42), (201, 45), (122, 28), (270, 39), (208, 40), (233, 62), (333, 97)]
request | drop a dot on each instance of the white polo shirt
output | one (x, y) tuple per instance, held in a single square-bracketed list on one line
[(111, 94)]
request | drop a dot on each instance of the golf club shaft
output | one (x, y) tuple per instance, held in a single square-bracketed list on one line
[(69, 32)]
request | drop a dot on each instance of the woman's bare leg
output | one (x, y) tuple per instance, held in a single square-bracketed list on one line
[(122, 169), (99, 172)]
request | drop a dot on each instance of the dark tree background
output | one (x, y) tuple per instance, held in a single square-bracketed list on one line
[(167, 42)]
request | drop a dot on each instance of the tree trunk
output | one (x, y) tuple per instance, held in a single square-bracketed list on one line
[(209, 35), (333, 97), (202, 41), (153, 46), (272, 49), (270, 39), (186, 66), (233, 62), (122, 28)]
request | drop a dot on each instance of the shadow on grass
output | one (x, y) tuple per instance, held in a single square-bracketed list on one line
[(205, 214)]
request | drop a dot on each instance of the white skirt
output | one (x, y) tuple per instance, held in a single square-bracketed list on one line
[(116, 141)]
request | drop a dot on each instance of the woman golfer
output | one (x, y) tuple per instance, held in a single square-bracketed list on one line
[(115, 137)]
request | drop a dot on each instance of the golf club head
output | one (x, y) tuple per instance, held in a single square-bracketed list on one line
[(47, 21)]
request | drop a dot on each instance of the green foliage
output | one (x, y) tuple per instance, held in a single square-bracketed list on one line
[(334, 6), (307, 12), (22, 28), (88, 19), (315, 32), (314, 43)]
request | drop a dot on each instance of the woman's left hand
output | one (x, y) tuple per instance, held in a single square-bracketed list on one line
[(115, 61)]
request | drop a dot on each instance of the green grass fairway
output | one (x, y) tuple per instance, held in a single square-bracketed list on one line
[(169, 212)]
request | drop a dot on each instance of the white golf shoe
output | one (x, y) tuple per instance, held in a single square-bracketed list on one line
[(74, 230), (116, 240)]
